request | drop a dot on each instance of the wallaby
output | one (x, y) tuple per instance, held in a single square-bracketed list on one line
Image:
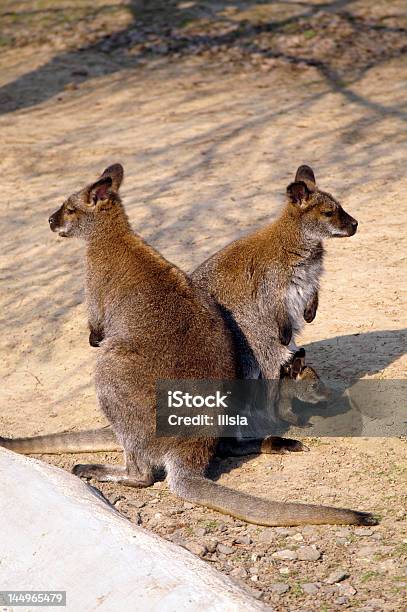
[(311, 390), (157, 325), (307, 388), (267, 282)]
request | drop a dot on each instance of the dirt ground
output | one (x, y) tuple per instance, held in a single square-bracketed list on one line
[(210, 131)]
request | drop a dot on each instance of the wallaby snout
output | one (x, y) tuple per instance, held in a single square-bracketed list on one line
[(55, 220), (350, 224)]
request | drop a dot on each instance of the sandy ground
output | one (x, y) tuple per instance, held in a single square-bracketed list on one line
[(208, 154)]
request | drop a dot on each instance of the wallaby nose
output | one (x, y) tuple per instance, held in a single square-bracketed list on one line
[(52, 222), (354, 225)]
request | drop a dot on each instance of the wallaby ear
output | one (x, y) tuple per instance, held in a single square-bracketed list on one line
[(298, 192), (115, 172), (99, 191), (296, 367), (306, 174)]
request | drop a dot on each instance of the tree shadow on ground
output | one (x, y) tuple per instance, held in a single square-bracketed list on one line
[(160, 29)]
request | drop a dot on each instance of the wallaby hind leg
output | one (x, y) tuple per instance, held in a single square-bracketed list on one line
[(271, 445), (134, 474)]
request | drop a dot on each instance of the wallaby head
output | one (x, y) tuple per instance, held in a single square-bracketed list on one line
[(321, 215), (311, 389), (77, 215)]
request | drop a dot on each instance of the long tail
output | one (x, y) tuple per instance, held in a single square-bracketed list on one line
[(92, 440), (199, 490)]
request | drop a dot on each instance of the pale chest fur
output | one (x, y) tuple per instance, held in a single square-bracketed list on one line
[(303, 284)]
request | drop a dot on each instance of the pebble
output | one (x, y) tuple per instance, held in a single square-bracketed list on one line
[(285, 555), (188, 506), (340, 601), (239, 572), (137, 503), (282, 532), (200, 532), (254, 578), (343, 532), (267, 536), (308, 553), (362, 531), (346, 589), (336, 576), (225, 549), (310, 588), (296, 537), (279, 588), (245, 539), (196, 548), (211, 545), (284, 570)]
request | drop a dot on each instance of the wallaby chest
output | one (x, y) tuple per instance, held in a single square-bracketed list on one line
[(302, 284)]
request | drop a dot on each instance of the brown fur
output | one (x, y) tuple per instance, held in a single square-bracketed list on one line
[(157, 325), (267, 282)]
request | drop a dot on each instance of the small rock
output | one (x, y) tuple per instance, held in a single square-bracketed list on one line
[(196, 548), (341, 601), (284, 570), (336, 576), (282, 532), (245, 539), (346, 589), (224, 549), (211, 545), (343, 532), (308, 553), (239, 572), (310, 588), (285, 555), (279, 588), (137, 503), (267, 536), (254, 578), (255, 557), (297, 537), (188, 506), (200, 532), (362, 531)]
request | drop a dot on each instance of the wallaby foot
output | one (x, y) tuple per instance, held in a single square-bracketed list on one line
[(275, 444), (270, 445), (114, 473)]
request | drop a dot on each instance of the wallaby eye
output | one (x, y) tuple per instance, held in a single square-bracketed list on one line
[(328, 213)]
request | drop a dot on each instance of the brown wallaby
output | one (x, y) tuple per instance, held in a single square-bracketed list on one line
[(267, 282), (307, 388), (157, 325), (104, 439)]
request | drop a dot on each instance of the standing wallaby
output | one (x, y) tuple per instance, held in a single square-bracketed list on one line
[(267, 283), (157, 325)]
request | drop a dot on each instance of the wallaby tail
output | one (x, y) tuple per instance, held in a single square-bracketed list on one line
[(92, 440), (259, 511)]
